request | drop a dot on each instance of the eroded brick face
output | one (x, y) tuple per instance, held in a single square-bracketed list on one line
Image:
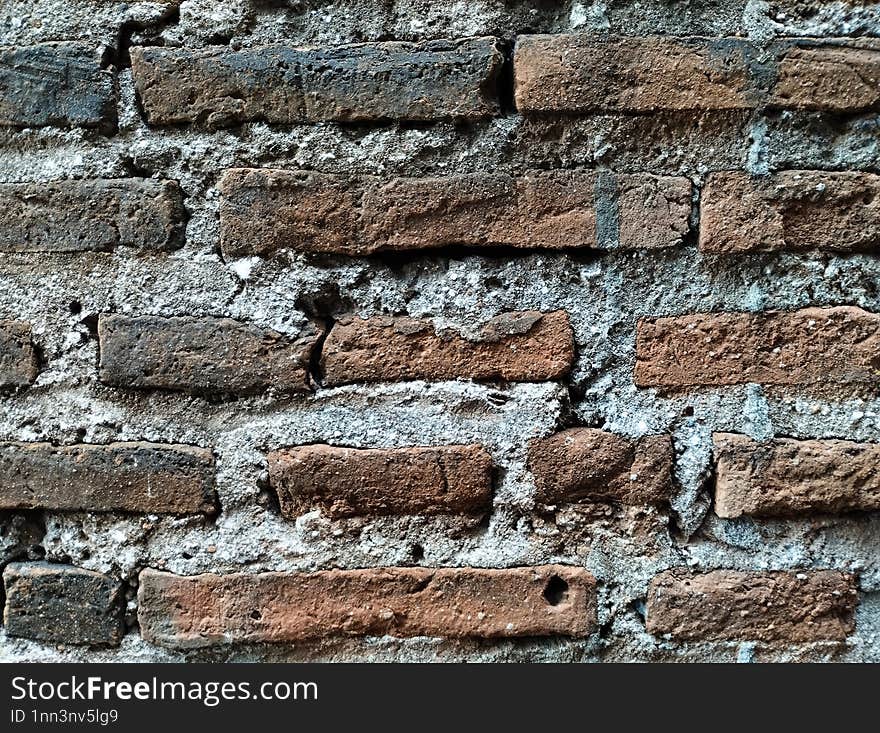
[(351, 482), (206, 610), (56, 84), (97, 215), (201, 355), (790, 210), (836, 79), (586, 464), (368, 82), (785, 477), (579, 74), (62, 604), (120, 477), (576, 74), (773, 607), (517, 347), (812, 346), (19, 362)]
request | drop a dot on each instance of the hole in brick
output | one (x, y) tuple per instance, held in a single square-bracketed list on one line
[(256, 615), (556, 591), (418, 553), (688, 411), (75, 307), (186, 556)]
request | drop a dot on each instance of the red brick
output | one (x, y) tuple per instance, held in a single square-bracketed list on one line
[(812, 346), (151, 478), (94, 215), (202, 355), (347, 482), (580, 73), (62, 604), (266, 210), (786, 477), (828, 78), (19, 363), (794, 210), (594, 465), (204, 610), (787, 607), (519, 347), (279, 84)]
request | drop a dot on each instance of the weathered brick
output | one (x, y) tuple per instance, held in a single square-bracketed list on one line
[(828, 78), (19, 362), (812, 346), (347, 482), (202, 355), (278, 84), (594, 465), (580, 73), (787, 607), (790, 210), (151, 478), (62, 604), (648, 211), (60, 85), (94, 215), (785, 477), (552, 209), (204, 610), (519, 347), (266, 210)]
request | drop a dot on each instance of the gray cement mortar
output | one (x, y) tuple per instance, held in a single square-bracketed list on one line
[(604, 294)]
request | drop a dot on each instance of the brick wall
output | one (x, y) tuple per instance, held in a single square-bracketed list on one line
[(408, 330)]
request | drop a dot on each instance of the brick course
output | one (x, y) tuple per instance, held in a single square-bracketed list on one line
[(357, 314), (266, 210)]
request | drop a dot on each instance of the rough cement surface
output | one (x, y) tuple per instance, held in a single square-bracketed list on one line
[(61, 295)]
